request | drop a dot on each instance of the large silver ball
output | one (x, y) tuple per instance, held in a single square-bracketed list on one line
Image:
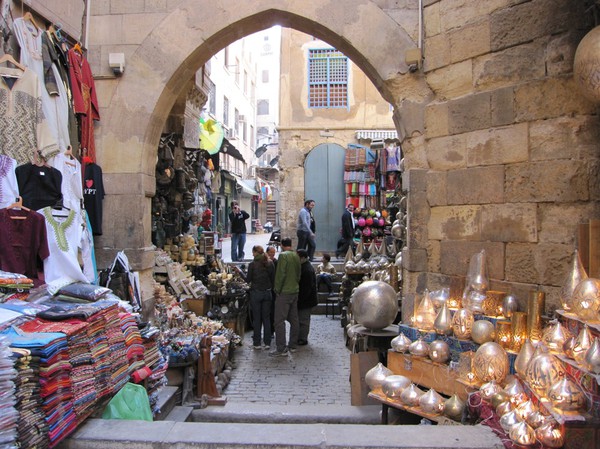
[(374, 304)]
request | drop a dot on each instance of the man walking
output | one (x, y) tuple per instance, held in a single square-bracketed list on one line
[(306, 228), (287, 279), (347, 231), (238, 218)]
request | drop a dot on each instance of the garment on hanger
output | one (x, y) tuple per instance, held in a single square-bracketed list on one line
[(55, 106), (9, 190), (40, 186), (71, 187), (394, 155), (93, 194), (88, 254), (23, 242), (84, 99), (64, 241), (23, 128)]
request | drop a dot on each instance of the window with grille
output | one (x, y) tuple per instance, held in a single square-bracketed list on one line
[(212, 97), (327, 79), (226, 111), (262, 107)]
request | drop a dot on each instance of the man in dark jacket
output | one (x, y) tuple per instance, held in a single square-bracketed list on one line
[(237, 218), (347, 231), (307, 296)]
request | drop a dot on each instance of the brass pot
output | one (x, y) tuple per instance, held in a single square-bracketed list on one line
[(411, 394), (401, 343)]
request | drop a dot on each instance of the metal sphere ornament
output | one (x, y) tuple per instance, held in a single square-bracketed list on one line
[(498, 398), (585, 302), (462, 323), (543, 371), (454, 408), (482, 331), (522, 434), (401, 343), (439, 351), (393, 385), (397, 231), (586, 65), (490, 362), (510, 419), (592, 357), (550, 435), (567, 396), (489, 389), (509, 305), (411, 394), (575, 275), (432, 402), (376, 375), (374, 304), (419, 348)]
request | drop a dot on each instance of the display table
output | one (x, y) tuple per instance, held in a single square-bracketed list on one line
[(379, 340), (422, 371), (386, 403)]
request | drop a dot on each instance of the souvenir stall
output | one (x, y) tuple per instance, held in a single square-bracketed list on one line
[(468, 355)]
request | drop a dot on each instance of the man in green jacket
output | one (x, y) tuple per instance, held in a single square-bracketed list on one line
[(287, 286)]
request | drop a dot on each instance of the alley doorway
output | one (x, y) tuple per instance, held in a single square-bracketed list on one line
[(323, 182)]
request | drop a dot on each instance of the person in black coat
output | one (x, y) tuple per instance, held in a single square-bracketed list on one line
[(307, 296), (237, 218), (347, 231)]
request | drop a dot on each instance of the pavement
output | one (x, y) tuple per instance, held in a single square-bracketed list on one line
[(251, 240)]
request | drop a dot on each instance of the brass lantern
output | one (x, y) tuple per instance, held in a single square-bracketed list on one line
[(490, 362), (504, 334), (462, 323)]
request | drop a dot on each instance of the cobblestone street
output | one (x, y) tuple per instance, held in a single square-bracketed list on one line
[(318, 373)]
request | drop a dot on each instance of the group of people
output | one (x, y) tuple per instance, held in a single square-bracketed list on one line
[(283, 289)]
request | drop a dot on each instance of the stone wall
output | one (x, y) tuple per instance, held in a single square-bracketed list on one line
[(508, 158)]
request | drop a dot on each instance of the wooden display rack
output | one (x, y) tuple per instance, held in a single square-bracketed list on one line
[(386, 403), (424, 372)]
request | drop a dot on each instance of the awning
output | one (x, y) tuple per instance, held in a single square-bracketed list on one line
[(228, 148), (374, 134), (246, 186)]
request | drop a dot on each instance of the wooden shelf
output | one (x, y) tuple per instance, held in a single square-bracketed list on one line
[(378, 395), (429, 374)]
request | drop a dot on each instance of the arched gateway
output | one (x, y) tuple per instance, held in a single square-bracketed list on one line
[(165, 50)]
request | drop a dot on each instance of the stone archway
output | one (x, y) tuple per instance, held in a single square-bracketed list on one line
[(180, 41)]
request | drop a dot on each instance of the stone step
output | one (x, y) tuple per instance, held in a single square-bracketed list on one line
[(117, 434), (180, 413), (248, 412), (167, 399)]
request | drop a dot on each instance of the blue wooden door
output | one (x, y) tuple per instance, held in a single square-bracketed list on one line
[(324, 183)]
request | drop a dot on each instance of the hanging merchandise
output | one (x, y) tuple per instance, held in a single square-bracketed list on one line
[(93, 195), (211, 136), (124, 282), (9, 189), (24, 128), (23, 240), (65, 235), (55, 101), (71, 187), (39, 185), (84, 99)]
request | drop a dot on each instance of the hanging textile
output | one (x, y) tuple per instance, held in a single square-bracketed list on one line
[(71, 187), (64, 241), (93, 195), (84, 100), (23, 126), (23, 242), (54, 104), (40, 186), (9, 189)]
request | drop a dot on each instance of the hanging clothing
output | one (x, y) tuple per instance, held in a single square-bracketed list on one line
[(394, 155), (40, 186), (23, 242), (84, 99), (88, 254), (71, 187), (64, 241), (9, 190), (55, 106), (23, 127), (93, 194)]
